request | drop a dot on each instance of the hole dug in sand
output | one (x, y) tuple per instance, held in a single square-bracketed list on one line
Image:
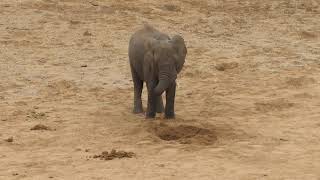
[(185, 134)]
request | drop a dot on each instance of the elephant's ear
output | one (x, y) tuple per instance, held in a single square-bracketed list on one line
[(181, 50), (149, 60), (148, 65)]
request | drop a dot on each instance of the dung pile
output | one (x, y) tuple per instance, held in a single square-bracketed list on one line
[(105, 155)]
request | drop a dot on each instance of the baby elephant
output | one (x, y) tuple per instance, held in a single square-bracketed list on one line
[(156, 59)]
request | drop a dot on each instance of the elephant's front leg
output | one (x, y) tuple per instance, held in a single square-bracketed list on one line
[(170, 96), (152, 100)]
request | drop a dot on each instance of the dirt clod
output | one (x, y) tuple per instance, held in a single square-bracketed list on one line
[(74, 22), (87, 33), (10, 139), (94, 3), (226, 66), (105, 155), (40, 127)]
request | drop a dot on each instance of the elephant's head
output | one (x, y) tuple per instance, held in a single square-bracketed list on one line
[(164, 59)]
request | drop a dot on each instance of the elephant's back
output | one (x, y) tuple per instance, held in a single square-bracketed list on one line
[(138, 39)]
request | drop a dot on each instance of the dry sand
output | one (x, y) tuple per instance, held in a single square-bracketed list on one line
[(247, 99)]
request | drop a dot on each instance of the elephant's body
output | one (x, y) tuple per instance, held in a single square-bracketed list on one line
[(156, 59)]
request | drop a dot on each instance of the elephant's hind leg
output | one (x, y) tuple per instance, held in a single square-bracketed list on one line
[(160, 107), (152, 100), (138, 85)]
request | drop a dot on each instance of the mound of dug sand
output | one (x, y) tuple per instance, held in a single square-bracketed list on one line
[(226, 66), (40, 127), (105, 155), (185, 134)]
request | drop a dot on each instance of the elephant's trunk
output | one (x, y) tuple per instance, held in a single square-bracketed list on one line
[(167, 75), (161, 87), (164, 80)]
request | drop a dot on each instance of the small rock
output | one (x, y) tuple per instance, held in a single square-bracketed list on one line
[(87, 33), (40, 127), (94, 3), (161, 165), (189, 93), (84, 65), (87, 150), (10, 139), (74, 22)]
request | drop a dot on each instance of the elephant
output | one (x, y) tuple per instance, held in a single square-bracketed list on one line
[(156, 59)]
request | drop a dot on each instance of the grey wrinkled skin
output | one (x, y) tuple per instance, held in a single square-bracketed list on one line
[(156, 59)]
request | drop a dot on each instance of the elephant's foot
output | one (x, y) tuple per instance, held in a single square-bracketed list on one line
[(169, 115), (137, 107), (137, 110), (160, 109), (150, 115)]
